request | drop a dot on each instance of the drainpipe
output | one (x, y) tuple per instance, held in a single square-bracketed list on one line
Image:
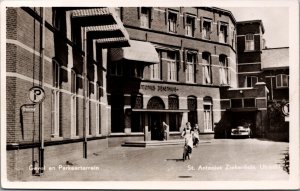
[(42, 86), (83, 32)]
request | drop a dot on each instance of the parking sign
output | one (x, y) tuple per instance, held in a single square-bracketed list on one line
[(36, 94)]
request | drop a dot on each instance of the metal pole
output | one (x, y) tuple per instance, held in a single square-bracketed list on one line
[(42, 85), (84, 90)]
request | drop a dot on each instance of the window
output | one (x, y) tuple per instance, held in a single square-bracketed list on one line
[(55, 114), (251, 81), (117, 113), (189, 26), (136, 70), (116, 69), (224, 77), (145, 17), (88, 109), (206, 29), (249, 102), (98, 110), (223, 33), (206, 63), (173, 102), (172, 21), (249, 44), (74, 126), (192, 107), (282, 80), (172, 66), (208, 117), (190, 67), (137, 101), (236, 103), (155, 69)]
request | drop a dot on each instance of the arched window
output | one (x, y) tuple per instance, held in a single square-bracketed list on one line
[(173, 102), (206, 63), (192, 107), (155, 103), (208, 114), (224, 73)]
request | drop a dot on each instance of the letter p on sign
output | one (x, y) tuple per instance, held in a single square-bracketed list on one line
[(36, 94)]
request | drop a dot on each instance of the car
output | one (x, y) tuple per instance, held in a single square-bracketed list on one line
[(241, 131)]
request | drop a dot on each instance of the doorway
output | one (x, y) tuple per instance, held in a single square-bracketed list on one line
[(156, 120)]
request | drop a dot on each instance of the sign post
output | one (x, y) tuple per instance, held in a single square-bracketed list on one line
[(37, 96)]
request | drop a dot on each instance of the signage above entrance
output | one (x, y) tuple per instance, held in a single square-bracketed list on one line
[(159, 88)]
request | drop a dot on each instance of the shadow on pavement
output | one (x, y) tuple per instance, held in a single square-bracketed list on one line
[(177, 160)]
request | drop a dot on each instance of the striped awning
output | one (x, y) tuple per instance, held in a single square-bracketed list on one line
[(138, 51), (102, 25)]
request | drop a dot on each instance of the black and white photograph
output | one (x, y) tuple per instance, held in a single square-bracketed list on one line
[(150, 96)]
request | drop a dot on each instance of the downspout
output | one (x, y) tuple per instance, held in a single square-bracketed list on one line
[(42, 86), (83, 33)]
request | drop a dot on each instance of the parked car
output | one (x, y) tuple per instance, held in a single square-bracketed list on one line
[(241, 131)]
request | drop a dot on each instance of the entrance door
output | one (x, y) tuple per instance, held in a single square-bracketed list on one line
[(156, 120)]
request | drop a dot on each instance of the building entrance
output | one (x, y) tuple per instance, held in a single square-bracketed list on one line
[(156, 129)]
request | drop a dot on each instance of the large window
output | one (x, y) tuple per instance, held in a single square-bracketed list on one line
[(172, 22), (206, 29), (172, 66), (282, 81), (74, 125), (117, 113), (88, 107), (223, 33), (206, 63), (189, 26), (98, 110), (174, 121), (224, 77), (55, 114), (145, 17), (249, 43), (250, 81), (137, 119), (190, 67), (208, 116), (192, 107), (136, 69)]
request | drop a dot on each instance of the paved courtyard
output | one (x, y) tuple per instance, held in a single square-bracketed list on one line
[(213, 160)]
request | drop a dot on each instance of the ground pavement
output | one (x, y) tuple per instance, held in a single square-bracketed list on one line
[(214, 160)]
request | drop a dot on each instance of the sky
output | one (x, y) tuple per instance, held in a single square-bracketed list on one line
[(275, 21)]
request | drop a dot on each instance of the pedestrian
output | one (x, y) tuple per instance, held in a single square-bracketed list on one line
[(187, 133), (196, 136), (165, 128)]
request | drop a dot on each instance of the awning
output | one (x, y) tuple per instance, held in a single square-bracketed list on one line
[(138, 51), (162, 110), (102, 25)]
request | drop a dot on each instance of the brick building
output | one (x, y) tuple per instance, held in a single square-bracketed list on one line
[(114, 75)]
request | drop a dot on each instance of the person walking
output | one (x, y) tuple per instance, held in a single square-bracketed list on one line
[(196, 136), (187, 133), (165, 128)]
